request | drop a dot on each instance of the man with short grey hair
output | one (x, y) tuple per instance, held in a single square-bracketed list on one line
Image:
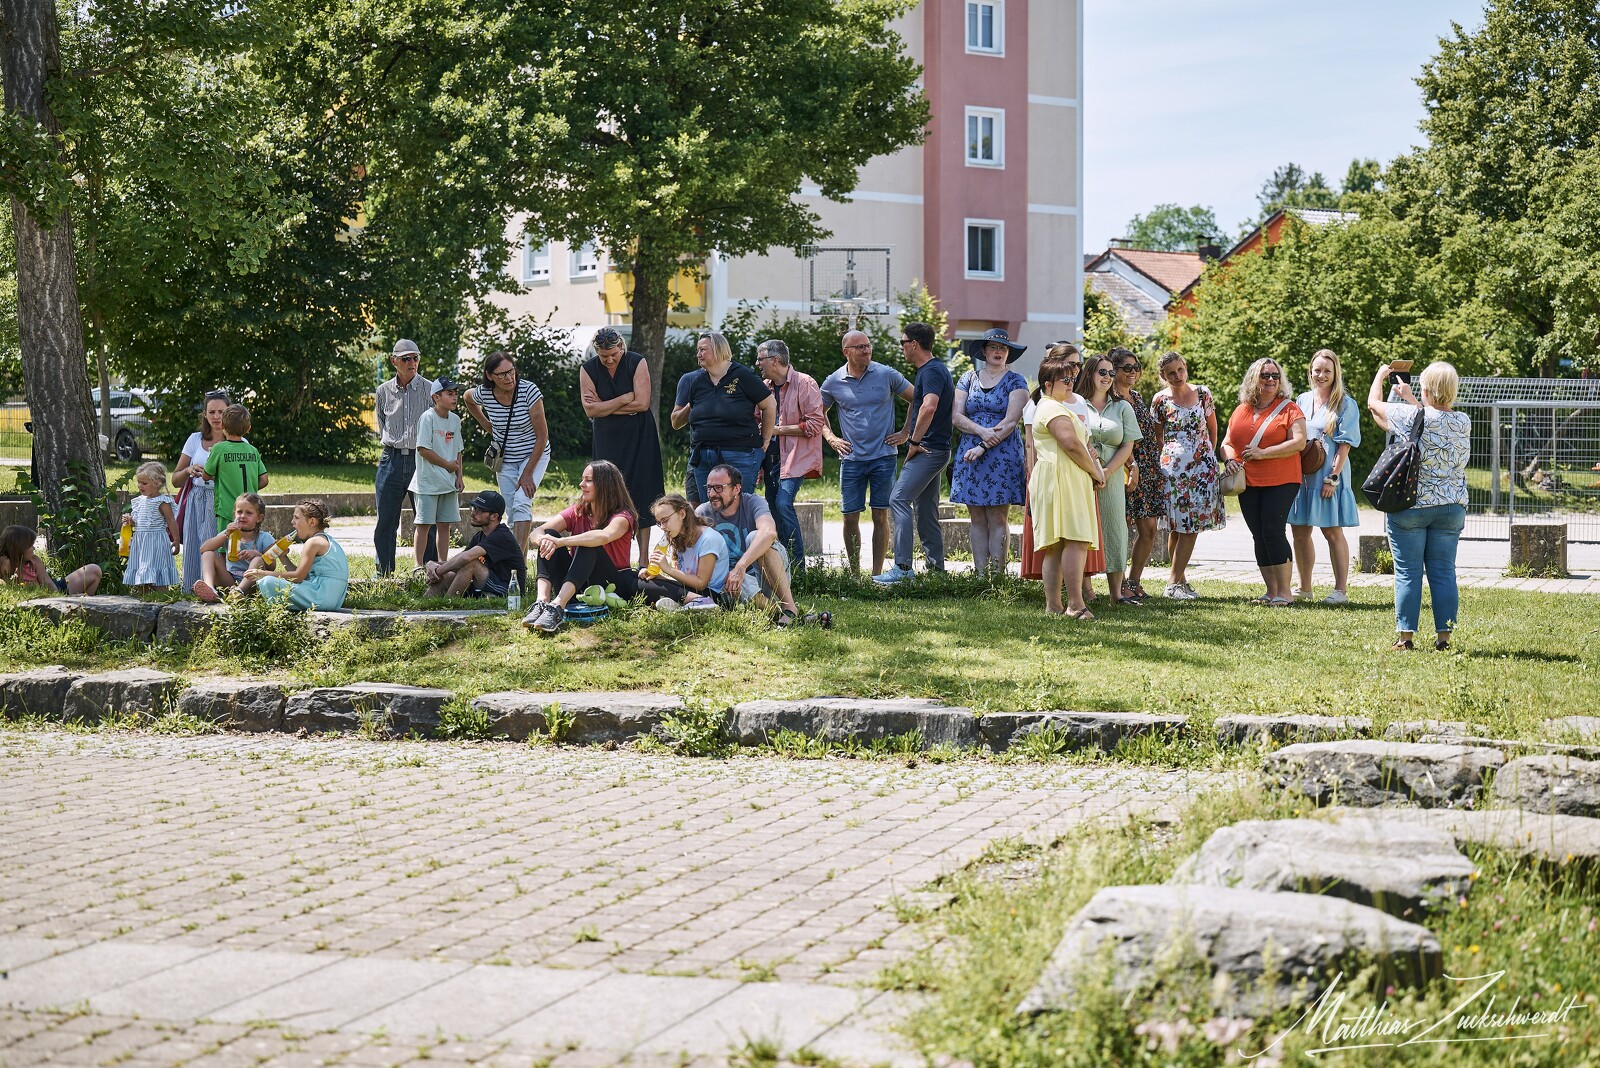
[(795, 452), (399, 403)]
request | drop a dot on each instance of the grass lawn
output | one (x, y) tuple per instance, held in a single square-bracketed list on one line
[(1536, 923), (1519, 657)]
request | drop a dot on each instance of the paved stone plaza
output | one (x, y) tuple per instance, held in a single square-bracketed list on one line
[(231, 900)]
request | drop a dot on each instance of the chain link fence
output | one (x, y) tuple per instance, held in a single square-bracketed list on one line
[(1535, 455)]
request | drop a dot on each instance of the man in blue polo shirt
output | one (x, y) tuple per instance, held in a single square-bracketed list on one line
[(930, 426), (864, 393)]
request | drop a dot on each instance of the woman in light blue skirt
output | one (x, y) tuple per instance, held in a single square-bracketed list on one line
[(1327, 499), (321, 579)]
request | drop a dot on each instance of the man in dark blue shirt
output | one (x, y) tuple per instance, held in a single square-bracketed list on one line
[(929, 423)]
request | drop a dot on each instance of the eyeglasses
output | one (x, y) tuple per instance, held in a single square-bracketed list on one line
[(717, 487), (509, 372), (1270, 376), (1129, 368), (1105, 373), (863, 345)]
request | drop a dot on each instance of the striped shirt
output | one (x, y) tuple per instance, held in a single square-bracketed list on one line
[(516, 446), (399, 409)]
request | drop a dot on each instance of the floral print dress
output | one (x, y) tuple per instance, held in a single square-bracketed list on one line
[(1150, 497), (1189, 464)]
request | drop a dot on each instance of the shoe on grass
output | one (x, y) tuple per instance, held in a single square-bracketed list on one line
[(1304, 595), (206, 592), (1186, 592), (551, 619), (531, 620), (1337, 597), (1174, 592), (667, 604), (893, 575)]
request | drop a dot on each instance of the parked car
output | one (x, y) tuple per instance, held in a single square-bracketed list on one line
[(130, 422)]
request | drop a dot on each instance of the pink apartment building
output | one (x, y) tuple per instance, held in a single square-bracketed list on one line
[(985, 213)]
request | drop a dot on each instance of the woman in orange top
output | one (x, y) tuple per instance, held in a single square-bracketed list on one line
[(1271, 463)]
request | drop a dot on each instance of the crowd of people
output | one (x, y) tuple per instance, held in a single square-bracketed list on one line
[(1098, 468)]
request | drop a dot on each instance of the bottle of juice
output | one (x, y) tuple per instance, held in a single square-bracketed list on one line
[(233, 546), (658, 540), (277, 549), (127, 535)]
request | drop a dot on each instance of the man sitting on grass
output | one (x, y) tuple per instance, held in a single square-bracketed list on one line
[(759, 565), (484, 568)]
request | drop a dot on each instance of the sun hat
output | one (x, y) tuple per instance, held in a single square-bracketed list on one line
[(406, 347), (975, 346)]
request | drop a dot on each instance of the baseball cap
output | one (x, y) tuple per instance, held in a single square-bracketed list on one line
[(405, 347), (443, 384), (489, 501)]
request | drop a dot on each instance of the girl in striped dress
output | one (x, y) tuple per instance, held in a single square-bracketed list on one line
[(155, 533)]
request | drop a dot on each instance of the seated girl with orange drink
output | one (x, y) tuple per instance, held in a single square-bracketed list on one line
[(226, 558), (692, 562)]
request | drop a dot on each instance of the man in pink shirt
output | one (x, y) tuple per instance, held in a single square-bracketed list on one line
[(795, 453)]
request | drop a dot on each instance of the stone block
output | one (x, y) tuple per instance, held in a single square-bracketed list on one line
[(185, 622), (120, 618), (998, 731), (239, 704), (594, 717), (811, 529), (1368, 548), (132, 690), (1401, 869), (1559, 784), (1548, 838), (41, 692), (1234, 932), (1540, 548), (386, 709), (1368, 773), (852, 719), (957, 536), (1416, 729), (1578, 728), (1252, 730)]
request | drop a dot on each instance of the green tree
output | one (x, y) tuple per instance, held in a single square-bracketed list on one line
[(1291, 187), (1171, 228), (1363, 176), (687, 129), (1104, 325)]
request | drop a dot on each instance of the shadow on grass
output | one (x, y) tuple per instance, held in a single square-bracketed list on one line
[(1543, 656)]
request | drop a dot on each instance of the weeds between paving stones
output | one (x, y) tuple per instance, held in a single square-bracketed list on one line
[(1537, 923)]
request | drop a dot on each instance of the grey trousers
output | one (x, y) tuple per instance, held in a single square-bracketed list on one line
[(918, 487)]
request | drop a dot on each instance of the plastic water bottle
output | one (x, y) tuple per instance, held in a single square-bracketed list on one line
[(514, 595)]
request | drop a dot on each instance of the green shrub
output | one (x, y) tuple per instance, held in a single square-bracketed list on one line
[(257, 631)]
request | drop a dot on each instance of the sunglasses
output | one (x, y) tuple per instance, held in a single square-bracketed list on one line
[(1130, 368), (408, 359), (1105, 373), (1270, 376)]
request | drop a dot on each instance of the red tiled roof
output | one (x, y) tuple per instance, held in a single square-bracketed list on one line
[(1174, 271)]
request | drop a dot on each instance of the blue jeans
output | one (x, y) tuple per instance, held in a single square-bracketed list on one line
[(395, 469), (780, 498), (746, 461), (1423, 540), (916, 493)]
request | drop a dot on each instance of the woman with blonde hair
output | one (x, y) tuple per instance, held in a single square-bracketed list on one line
[(1326, 498), (730, 413), (1066, 476), (1266, 435), (1423, 538)]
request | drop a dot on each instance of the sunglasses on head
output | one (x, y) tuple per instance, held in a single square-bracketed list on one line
[(216, 394)]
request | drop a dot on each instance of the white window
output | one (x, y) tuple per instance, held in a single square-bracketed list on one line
[(535, 262), (585, 261), (986, 27), (986, 137), (986, 248)]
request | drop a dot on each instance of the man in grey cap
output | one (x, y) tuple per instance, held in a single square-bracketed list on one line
[(401, 400)]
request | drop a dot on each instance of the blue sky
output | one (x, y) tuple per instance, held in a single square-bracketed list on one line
[(1197, 103)]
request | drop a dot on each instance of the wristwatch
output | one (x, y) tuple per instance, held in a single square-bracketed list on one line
[(1332, 479), (918, 444)]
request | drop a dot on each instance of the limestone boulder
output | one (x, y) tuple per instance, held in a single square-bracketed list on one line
[(1574, 728), (120, 618), (1237, 935), (41, 692), (92, 697), (587, 717), (1253, 730), (1403, 870), (1560, 784), (1415, 730), (383, 708), (1545, 837), (239, 704), (185, 622), (1366, 773), (855, 719), (999, 731)]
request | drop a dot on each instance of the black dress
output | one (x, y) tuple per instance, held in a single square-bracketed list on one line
[(628, 440)]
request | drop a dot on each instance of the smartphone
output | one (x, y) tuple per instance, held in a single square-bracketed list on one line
[(1402, 371)]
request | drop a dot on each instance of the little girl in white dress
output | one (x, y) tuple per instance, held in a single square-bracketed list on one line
[(155, 533)]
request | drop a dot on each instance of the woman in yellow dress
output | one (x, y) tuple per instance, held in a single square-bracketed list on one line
[(1066, 476)]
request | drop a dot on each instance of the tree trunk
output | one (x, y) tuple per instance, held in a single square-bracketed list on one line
[(48, 318), (652, 296)]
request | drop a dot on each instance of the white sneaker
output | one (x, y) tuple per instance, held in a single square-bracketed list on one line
[(667, 604), (891, 576), (1186, 592), (1336, 597), (1304, 595), (1174, 592)]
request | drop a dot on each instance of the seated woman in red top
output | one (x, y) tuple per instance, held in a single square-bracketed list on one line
[(589, 544), (1266, 435)]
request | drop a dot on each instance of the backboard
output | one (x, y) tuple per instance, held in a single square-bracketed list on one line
[(848, 281)]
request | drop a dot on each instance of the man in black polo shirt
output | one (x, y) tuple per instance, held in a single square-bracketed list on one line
[(916, 491)]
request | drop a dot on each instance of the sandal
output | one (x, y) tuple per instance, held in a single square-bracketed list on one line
[(1131, 602), (1441, 644), (1278, 602), (205, 591), (821, 619), (1134, 589), (1401, 646), (1084, 616), (1263, 599), (786, 618)]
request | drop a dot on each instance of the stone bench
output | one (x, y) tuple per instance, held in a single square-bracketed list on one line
[(852, 719)]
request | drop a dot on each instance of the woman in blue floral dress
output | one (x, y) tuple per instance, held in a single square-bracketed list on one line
[(989, 475), (1188, 421)]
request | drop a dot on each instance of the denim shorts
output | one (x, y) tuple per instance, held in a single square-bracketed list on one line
[(855, 477)]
